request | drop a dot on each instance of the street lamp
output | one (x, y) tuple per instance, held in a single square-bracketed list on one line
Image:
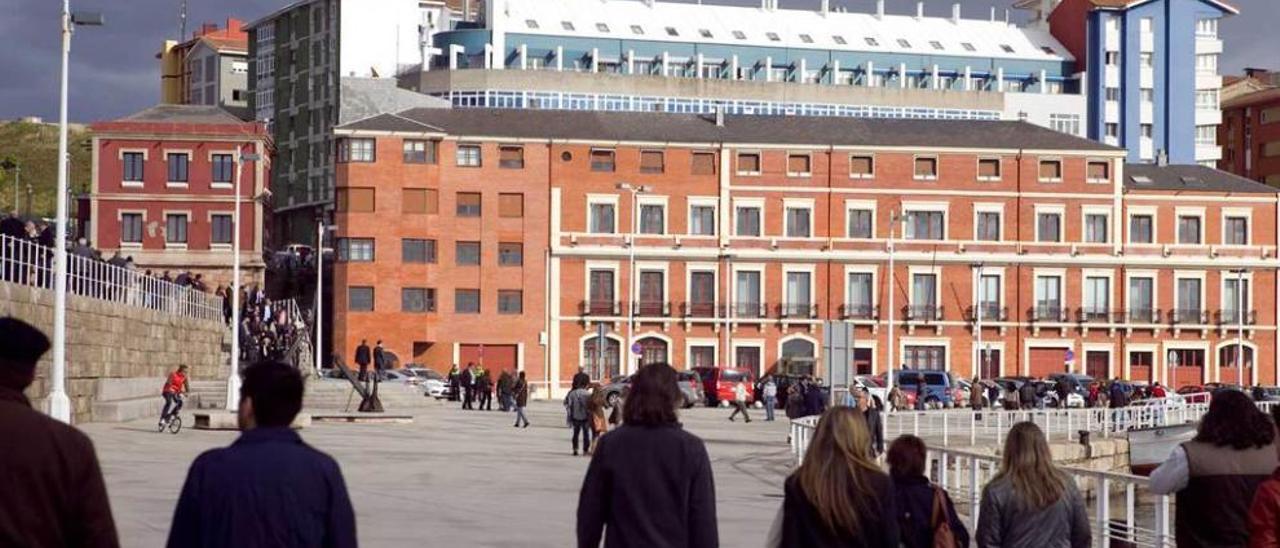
[(978, 306), (1239, 306), (59, 403), (233, 379), (635, 191), (9, 165), (894, 217), (321, 228)]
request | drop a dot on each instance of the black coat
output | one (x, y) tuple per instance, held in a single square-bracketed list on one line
[(13, 227), (648, 486), (915, 513), (875, 424), (802, 527), (362, 354), (379, 358)]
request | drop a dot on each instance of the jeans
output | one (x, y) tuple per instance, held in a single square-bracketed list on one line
[(769, 403), (520, 416), (583, 426), (171, 400)]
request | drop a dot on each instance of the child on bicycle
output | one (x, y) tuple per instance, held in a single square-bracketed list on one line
[(174, 387)]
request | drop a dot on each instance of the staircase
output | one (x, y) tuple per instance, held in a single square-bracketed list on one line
[(335, 395), (207, 395)]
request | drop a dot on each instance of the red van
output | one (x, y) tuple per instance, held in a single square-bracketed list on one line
[(718, 383)]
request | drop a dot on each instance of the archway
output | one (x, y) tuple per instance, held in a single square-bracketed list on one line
[(610, 363), (797, 357), (653, 350)]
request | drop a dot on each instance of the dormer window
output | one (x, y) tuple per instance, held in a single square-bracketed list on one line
[(904, 43), (806, 38), (872, 41), (773, 36), (1007, 48), (637, 29), (936, 45), (967, 46), (739, 35), (705, 33), (568, 25), (671, 31), (602, 27), (531, 23)]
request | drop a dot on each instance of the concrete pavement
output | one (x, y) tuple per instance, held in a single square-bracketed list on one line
[(453, 477)]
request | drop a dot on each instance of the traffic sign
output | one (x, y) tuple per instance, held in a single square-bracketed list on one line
[(1071, 355), (635, 348)]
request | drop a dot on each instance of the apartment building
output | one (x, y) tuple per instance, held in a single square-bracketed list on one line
[(517, 237), (1250, 136), (164, 190), (211, 68)]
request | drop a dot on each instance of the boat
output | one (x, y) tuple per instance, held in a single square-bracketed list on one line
[(1149, 447)]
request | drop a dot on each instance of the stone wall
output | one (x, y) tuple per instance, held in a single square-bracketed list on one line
[(111, 340)]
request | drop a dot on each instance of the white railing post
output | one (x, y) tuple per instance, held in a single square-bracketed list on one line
[(1104, 511), (1130, 523), (915, 423), (946, 438), (974, 493), (1162, 522), (973, 430)]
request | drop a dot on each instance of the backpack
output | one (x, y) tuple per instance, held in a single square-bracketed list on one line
[(940, 521), (578, 406)]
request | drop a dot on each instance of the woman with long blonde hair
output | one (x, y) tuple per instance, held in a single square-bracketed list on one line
[(839, 496), (1030, 503)]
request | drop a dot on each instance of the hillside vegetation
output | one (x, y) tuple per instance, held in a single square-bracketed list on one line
[(35, 148)]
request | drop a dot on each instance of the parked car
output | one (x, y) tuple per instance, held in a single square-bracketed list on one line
[(1047, 390), (432, 382), (1078, 383), (616, 389), (1194, 393), (873, 386), (691, 387), (718, 383), (942, 388), (1265, 393)]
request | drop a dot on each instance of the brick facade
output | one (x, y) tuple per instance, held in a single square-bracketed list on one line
[(1250, 136)]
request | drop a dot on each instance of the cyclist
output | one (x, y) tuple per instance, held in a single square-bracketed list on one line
[(174, 388)]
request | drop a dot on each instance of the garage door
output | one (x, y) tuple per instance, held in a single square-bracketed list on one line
[(491, 356), (1044, 361)]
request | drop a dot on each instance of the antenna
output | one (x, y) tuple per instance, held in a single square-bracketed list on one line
[(182, 21)]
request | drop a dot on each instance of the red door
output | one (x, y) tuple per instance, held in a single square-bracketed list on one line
[(1044, 361), (1096, 364)]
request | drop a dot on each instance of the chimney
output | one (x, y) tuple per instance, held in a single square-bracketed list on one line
[(719, 117), (879, 9), (234, 25), (955, 12), (919, 10), (993, 14), (1162, 158), (826, 7)]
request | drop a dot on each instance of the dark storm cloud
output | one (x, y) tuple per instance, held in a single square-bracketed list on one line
[(114, 70)]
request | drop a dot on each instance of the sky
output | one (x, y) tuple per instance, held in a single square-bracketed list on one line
[(114, 71)]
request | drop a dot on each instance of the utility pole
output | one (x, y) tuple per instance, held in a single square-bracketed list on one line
[(182, 21)]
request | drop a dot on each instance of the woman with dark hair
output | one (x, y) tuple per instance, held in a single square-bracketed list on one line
[(1029, 503), (1216, 474), (838, 496), (649, 482), (922, 506)]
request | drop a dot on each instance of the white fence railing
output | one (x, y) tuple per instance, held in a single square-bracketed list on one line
[(32, 264)]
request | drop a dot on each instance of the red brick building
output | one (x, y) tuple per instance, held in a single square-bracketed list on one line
[(1250, 136), (507, 237), (163, 190)]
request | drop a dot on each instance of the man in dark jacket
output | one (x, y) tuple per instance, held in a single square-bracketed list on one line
[(269, 488), (51, 488), (362, 359), (468, 382), (379, 359), (1117, 395), (922, 392), (1027, 395), (1063, 389), (874, 422), (504, 391)]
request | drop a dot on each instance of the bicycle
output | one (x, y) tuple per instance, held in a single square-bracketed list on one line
[(173, 422)]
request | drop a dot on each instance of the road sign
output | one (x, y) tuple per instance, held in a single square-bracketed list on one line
[(1071, 355), (837, 349), (635, 348)]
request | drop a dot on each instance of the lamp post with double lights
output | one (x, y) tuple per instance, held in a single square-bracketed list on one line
[(978, 310), (321, 228), (636, 191), (233, 378), (59, 403), (894, 218), (1240, 312)]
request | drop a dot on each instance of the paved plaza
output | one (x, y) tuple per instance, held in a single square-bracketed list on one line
[(453, 477)]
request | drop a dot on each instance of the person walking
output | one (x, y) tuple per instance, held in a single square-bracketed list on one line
[(1029, 503), (51, 488), (769, 391), (485, 385), (740, 401), (379, 360), (975, 398), (599, 423), (922, 392), (468, 382), (815, 402), (1063, 390), (1158, 391), (504, 391), (1027, 395), (363, 358), (576, 408), (1217, 473), (875, 422), (838, 496), (521, 391), (454, 376), (650, 482), (925, 511)]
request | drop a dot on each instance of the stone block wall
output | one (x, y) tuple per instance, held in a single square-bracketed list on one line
[(111, 340)]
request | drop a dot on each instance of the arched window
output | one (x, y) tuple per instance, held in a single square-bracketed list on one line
[(608, 367)]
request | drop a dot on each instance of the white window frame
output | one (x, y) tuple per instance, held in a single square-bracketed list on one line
[(975, 283), (651, 200), (943, 207), (764, 284), (690, 269), (145, 158), (865, 176), (1085, 212), (799, 269), (1179, 213), (1223, 277), (652, 266), (1191, 275), (715, 350), (1154, 276), (212, 183), (936, 271), (1245, 212), (1142, 211), (608, 199), (209, 219), (1110, 275), (758, 205), (797, 203), (998, 209), (874, 271), (1049, 209), (851, 205), (1060, 274), (178, 212), (177, 184), (703, 201), (120, 222), (977, 164), (737, 157), (601, 265)]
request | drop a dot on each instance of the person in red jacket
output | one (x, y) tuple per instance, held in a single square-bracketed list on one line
[(1264, 513)]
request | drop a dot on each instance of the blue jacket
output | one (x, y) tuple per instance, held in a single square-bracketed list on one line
[(266, 489)]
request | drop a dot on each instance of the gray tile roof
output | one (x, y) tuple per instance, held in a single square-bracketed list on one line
[(1190, 178), (691, 128), (187, 114)]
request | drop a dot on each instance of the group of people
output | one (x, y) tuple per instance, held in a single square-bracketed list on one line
[(267, 331), (475, 386), (584, 408)]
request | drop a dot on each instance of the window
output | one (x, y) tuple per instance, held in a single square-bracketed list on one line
[(1047, 50), (671, 31), (861, 167), (1065, 123), (419, 152), (705, 33), (749, 163), (133, 166), (651, 161), (702, 220), (1146, 59), (468, 204), (417, 300), (637, 30), (703, 163), (1235, 231), (798, 287), (988, 169), (511, 205), (1147, 95), (1097, 297), (926, 169), (799, 165), (602, 27), (1048, 298), (739, 35), (968, 46), (131, 228), (1049, 227), (860, 223), (178, 164), (1207, 135), (510, 301), (511, 157), (355, 250), (1099, 172), (1145, 130), (772, 36), (414, 250), (1188, 305), (924, 225), (602, 160), (1007, 48), (531, 23), (223, 168), (936, 45), (602, 218), (989, 297), (904, 43), (702, 294), (1050, 171), (468, 156), (1207, 62), (1189, 229), (747, 220), (859, 299), (1235, 298), (1207, 28), (567, 25), (1207, 99), (221, 229), (420, 200), (175, 228), (359, 299), (356, 150), (652, 218), (988, 227), (1140, 229), (466, 301), (355, 200), (1095, 228), (510, 254), (748, 294), (924, 297), (798, 219), (1112, 129), (1142, 299), (839, 39), (1113, 94), (467, 253)]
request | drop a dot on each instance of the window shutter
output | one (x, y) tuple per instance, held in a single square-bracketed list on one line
[(651, 161), (1099, 171), (356, 200), (989, 168), (749, 163), (415, 200), (1050, 169), (703, 163), (798, 163), (926, 167), (511, 205), (860, 165), (511, 157)]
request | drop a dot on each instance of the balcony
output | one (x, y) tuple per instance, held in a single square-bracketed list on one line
[(749, 310), (859, 312), (1093, 314), (1188, 316), (651, 309), (698, 310), (1228, 318), (1143, 315), (922, 312), (600, 308), (1047, 312), (802, 311), (990, 312)]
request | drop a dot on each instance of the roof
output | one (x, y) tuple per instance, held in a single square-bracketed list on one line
[(164, 118), (692, 128), (184, 114), (365, 97), (1262, 95), (1191, 178), (1125, 4), (271, 16), (790, 28)]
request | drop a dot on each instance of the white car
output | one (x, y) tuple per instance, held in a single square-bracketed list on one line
[(433, 384), (868, 383)]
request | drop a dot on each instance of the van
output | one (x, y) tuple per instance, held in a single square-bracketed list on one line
[(718, 383), (942, 388)]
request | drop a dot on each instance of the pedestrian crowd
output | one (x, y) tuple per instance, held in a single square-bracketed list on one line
[(267, 329), (474, 386)]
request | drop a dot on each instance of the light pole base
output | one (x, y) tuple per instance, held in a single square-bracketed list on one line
[(60, 406), (233, 391)]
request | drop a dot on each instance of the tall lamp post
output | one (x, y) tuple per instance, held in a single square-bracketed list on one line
[(16, 168), (636, 191), (977, 318), (59, 403), (321, 228), (1240, 312), (233, 378), (888, 376)]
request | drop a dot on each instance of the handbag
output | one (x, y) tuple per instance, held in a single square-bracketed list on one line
[(940, 521)]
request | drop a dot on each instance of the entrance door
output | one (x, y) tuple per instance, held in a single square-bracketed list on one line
[(609, 363), (653, 350), (862, 361), (747, 357), (1044, 361), (1096, 363), (989, 364), (1141, 366)]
